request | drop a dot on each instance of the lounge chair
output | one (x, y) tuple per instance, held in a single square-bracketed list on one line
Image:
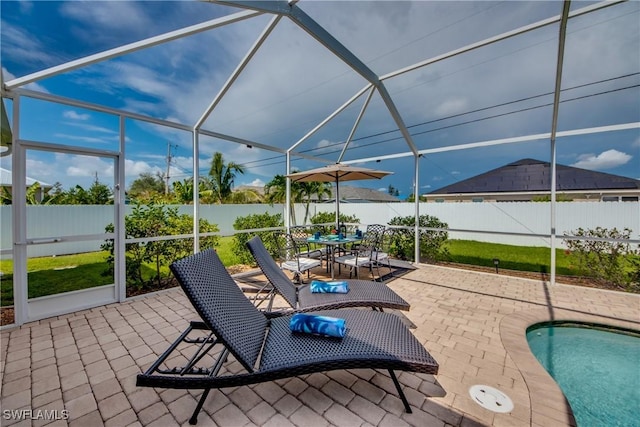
[(266, 348), (362, 293)]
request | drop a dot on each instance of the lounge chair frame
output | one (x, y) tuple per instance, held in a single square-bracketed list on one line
[(265, 347)]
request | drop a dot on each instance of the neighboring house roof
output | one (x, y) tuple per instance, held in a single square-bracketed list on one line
[(6, 179), (531, 175), (356, 194), (348, 194)]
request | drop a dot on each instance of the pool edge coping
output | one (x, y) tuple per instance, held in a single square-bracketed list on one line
[(547, 403)]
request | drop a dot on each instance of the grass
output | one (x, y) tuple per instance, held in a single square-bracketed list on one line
[(521, 258), (55, 274), (50, 275), (224, 249)]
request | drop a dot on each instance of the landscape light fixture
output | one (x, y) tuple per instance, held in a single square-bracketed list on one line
[(496, 262)]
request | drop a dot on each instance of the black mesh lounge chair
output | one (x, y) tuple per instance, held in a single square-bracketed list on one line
[(362, 293), (266, 348)]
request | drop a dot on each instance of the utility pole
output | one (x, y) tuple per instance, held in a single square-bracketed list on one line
[(166, 179)]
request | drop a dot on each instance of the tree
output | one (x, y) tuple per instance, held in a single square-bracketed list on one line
[(393, 191), (245, 195), (147, 186), (222, 177), (309, 189), (35, 195), (411, 198), (97, 194), (183, 191), (154, 220), (301, 192), (276, 192), (432, 242), (265, 220)]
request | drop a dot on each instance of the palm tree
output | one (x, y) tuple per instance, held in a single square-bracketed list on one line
[(301, 192), (222, 177), (309, 189), (245, 195), (275, 191)]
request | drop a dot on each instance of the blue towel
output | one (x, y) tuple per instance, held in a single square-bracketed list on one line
[(320, 287), (318, 325)]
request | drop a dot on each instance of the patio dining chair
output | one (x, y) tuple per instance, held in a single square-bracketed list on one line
[(380, 255), (301, 234), (293, 259), (266, 349), (362, 293), (361, 256), (375, 229)]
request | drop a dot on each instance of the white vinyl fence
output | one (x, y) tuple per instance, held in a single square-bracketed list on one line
[(516, 217), (513, 217)]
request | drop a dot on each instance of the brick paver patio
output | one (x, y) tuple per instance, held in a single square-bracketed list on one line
[(472, 323)]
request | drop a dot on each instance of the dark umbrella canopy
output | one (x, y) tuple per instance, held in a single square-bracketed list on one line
[(337, 173)]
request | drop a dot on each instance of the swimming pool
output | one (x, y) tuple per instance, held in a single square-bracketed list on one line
[(597, 368)]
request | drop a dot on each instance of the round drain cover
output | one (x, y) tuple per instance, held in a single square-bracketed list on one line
[(491, 398)]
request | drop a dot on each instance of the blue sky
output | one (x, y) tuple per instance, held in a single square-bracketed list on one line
[(293, 83)]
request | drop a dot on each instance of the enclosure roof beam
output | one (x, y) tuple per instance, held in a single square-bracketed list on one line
[(330, 116), (526, 138), (365, 104), (500, 37), (311, 27), (320, 34), (253, 144), (101, 108), (236, 73), (131, 47)]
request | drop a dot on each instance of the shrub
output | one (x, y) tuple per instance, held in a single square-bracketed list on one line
[(156, 220), (264, 220), (330, 218), (432, 248), (613, 263)]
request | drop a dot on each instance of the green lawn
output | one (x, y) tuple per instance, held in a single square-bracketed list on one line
[(64, 273), (523, 258), (49, 275)]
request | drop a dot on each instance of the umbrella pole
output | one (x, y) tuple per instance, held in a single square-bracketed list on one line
[(337, 206)]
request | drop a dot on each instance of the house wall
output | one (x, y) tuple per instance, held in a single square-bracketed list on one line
[(525, 218)]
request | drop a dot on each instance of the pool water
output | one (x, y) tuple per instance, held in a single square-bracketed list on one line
[(598, 370)]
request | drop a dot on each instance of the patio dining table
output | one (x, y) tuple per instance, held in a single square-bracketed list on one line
[(332, 242)]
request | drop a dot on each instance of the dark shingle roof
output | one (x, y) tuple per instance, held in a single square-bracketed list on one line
[(351, 194), (534, 175)]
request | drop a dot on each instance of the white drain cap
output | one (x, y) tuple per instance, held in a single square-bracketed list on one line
[(491, 398)]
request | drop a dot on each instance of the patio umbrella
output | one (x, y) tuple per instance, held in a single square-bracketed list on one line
[(337, 173)]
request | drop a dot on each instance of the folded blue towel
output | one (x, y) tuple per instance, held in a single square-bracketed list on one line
[(318, 325), (320, 287)]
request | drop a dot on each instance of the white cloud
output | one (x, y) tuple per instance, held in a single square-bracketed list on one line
[(256, 183), (87, 139), (136, 168), (108, 16), (18, 43), (452, 106), (71, 114), (7, 76), (606, 160)]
